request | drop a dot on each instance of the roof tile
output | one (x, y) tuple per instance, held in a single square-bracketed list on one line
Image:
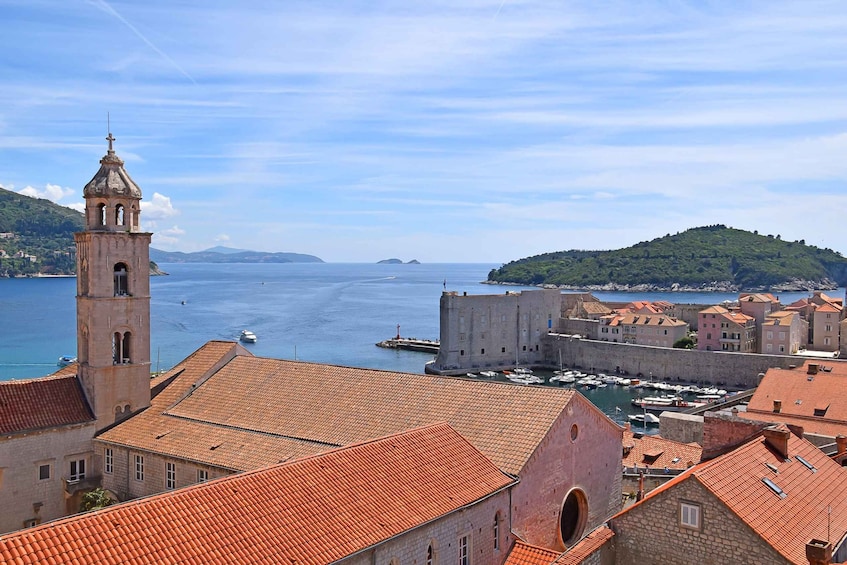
[(42, 403)]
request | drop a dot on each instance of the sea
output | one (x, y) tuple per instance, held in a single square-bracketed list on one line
[(331, 313)]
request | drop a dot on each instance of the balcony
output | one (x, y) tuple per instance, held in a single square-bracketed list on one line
[(85, 484)]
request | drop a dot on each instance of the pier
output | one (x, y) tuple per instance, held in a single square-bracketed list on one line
[(411, 344)]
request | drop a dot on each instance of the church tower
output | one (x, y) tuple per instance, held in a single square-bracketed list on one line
[(113, 295)]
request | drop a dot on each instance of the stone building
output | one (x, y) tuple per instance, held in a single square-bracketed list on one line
[(782, 333), (763, 503), (46, 452), (720, 329), (483, 331)]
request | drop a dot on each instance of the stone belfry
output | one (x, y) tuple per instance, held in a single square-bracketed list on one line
[(113, 295)]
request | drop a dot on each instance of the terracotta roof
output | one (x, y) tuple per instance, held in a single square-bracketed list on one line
[(595, 308), (758, 297), (801, 393), (811, 426), (714, 310), (312, 511), (523, 553), (665, 453), (650, 320), (586, 546), (46, 402), (786, 524), (283, 409), (738, 318), (828, 307)]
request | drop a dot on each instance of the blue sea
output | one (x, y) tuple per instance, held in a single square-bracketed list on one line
[(322, 312)]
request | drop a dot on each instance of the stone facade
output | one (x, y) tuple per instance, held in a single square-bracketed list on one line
[(651, 532), (152, 468), (27, 495), (559, 469), (475, 523), (485, 331)]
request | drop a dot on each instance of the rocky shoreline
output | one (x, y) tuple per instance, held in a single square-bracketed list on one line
[(796, 285)]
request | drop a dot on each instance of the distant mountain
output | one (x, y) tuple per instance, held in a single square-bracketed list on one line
[(397, 262), (224, 250), (705, 258), (230, 256)]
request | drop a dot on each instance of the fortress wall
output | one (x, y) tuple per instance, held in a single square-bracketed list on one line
[(714, 367)]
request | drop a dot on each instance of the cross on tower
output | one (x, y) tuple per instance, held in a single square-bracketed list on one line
[(110, 139)]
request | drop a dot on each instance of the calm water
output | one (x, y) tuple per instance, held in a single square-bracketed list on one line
[(329, 313)]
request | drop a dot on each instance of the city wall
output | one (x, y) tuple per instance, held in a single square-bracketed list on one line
[(688, 365)]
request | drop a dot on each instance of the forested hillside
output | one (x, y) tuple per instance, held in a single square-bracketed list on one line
[(711, 257), (39, 228)]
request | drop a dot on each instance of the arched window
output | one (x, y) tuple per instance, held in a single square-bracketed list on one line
[(121, 348), (101, 211), (497, 531), (119, 215), (121, 280), (430, 556)]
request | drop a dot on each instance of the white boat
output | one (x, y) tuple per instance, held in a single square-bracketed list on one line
[(521, 371), (66, 360), (248, 337), (488, 374), (647, 418)]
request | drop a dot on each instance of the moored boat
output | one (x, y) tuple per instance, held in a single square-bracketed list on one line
[(248, 337), (66, 360), (646, 418)]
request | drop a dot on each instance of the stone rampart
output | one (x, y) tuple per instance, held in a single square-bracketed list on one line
[(737, 370)]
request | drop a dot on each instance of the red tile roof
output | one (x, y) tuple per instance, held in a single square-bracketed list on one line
[(671, 454), (311, 511), (586, 546), (41, 403), (525, 554), (800, 392), (786, 524), (220, 402)]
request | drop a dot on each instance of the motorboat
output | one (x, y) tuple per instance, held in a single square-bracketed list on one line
[(646, 418), (521, 371), (665, 403), (489, 374), (248, 337), (66, 360)]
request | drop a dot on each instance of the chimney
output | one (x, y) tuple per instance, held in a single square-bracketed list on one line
[(813, 369), (777, 439), (819, 552), (640, 494), (841, 443), (777, 406)]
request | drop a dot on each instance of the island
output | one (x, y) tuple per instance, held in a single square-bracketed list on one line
[(398, 262)]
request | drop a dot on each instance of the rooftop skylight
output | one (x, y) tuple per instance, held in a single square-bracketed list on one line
[(772, 485), (807, 465)]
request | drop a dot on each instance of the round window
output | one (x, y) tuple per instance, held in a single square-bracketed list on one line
[(574, 516), (574, 432)]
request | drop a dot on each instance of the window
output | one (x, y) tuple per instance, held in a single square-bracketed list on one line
[(464, 556), (502, 350), (708, 336), (689, 515), (31, 523), (139, 467), (828, 328), (119, 215), (770, 335), (44, 472), (120, 278), (109, 461), (782, 349), (430, 558), (121, 349), (202, 475), (497, 531), (769, 347), (482, 351), (170, 475), (826, 341), (461, 352), (101, 212), (77, 470)]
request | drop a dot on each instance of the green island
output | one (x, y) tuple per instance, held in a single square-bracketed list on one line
[(706, 258)]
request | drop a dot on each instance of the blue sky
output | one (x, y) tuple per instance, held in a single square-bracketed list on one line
[(446, 131)]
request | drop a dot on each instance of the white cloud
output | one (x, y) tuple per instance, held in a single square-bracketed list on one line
[(52, 192), (174, 231), (168, 237), (158, 208), (222, 238)]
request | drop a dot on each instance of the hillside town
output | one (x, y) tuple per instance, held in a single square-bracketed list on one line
[(229, 457)]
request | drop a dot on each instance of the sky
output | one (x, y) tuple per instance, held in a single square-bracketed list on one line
[(442, 131)]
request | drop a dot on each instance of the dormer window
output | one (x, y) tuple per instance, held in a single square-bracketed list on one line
[(121, 280)]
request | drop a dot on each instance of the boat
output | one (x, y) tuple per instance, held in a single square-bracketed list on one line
[(489, 374), (66, 360), (665, 403), (521, 371), (646, 418), (248, 337)]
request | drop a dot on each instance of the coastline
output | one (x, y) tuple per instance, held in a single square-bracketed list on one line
[(715, 286)]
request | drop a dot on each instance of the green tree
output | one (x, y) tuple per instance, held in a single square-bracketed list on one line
[(684, 343), (95, 500)]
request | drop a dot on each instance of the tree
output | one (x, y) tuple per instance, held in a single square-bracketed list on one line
[(95, 500), (684, 343)]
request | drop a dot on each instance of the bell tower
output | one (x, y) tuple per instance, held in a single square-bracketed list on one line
[(113, 295)]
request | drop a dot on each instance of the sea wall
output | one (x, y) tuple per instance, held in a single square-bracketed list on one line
[(690, 365)]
